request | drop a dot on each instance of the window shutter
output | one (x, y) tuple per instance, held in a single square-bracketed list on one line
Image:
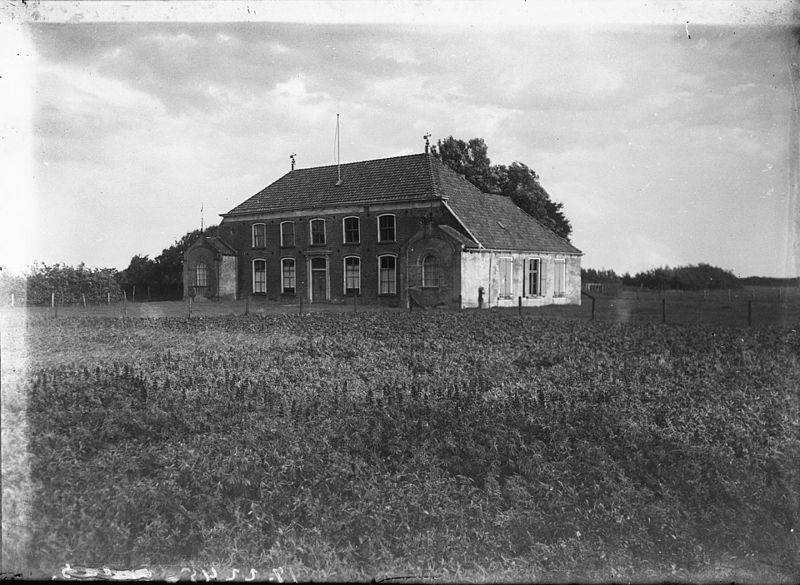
[(542, 277)]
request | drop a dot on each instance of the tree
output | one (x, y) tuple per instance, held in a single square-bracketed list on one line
[(523, 187), (164, 274), (691, 277), (603, 276), (142, 273), (517, 181), (70, 284), (170, 261)]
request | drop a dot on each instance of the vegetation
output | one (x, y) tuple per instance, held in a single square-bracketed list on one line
[(162, 277), (71, 285), (602, 276), (11, 284), (692, 277), (517, 181), (466, 446)]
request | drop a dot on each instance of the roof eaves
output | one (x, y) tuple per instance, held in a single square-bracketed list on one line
[(563, 239)]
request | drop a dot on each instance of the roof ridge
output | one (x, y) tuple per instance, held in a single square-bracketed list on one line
[(357, 162), (434, 186)]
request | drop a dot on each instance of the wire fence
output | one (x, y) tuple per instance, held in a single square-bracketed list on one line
[(752, 306)]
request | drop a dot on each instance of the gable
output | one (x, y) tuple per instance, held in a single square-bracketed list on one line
[(215, 243)]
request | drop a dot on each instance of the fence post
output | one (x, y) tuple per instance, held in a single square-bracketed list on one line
[(133, 296), (592, 308), (190, 307), (663, 310), (519, 305), (83, 296), (55, 305), (749, 312), (124, 303), (108, 298)]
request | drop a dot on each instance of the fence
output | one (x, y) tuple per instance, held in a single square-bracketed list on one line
[(757, 306)]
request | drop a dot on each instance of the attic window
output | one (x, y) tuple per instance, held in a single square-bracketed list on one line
[(500, 223)]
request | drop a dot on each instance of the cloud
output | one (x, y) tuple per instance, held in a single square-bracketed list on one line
[(648, 139)]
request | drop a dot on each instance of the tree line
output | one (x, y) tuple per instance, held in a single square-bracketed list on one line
[(691, 277), (69, 284)]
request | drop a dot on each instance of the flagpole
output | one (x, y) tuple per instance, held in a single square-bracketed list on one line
[(338, 157)]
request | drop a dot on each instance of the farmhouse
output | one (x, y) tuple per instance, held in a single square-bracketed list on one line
[(397, 231)]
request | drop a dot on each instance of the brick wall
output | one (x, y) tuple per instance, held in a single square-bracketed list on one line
[(238, 233)]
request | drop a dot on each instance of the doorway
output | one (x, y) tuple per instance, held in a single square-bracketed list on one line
[(319, 279)]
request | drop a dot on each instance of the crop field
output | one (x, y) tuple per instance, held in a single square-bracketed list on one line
[(462, 446)]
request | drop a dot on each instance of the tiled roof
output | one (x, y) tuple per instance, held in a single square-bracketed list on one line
[(402, 178), (493, 220)]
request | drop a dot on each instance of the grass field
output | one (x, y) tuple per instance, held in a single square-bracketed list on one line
[(473, 445)]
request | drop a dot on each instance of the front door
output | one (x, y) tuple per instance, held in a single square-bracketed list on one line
[(319, 279)]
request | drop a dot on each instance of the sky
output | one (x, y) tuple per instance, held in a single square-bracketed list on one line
[(668, 143)]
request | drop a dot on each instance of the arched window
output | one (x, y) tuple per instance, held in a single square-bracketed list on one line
[(386, 228), (259, 276), (352, 275), (351, 230), (259, 235), (288, 276), (287, 234), (430, 271), (387, 275), (201, 274), (317, 232)]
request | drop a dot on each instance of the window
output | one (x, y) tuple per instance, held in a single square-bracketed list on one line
[(506, 269), (201, 274), (317, 232), (287, 234), (288, 276), (259, 235), (386, 228), (259, 276), (533, 282), (387, 275), (352, 231), (352, 275), (430, 271), (560, 279)]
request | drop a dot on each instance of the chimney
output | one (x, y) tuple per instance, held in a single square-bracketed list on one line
[(427, 142), (291, 156)]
